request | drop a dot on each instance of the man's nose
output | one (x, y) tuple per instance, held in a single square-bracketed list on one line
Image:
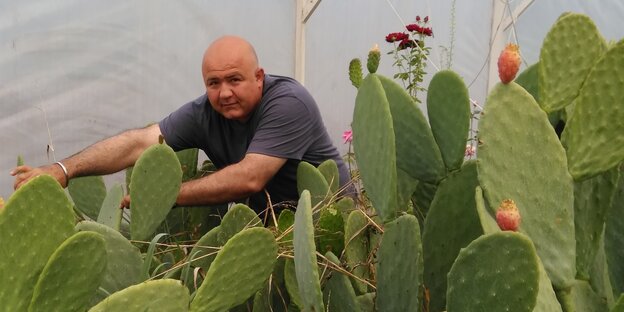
[(226, 91)]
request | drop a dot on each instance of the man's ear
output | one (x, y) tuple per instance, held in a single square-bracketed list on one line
[(260, 74)]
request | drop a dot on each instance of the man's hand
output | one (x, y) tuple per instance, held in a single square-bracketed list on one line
[(125, 202), (24, 174)]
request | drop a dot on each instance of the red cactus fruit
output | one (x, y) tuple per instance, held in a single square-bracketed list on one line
[(508, 63), (508, 216)]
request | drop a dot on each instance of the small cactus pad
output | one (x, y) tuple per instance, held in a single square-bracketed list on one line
[(355, 72), (330, 231), (570, 50), (164, 295), (619, 305), (592, 199), (154, 187), (285, 226), (338, 293), (356, 248), (374, 146), (311, 179), (124, 261), (188, 163), (306, 267), (237, 218), (448, 107), (290, 280), (496, 272), (599, 276), (614, 237), (546, 298), (451, 224), (329, 169), (416, 150), (36, 219), (513, 128), (593, 136), (400, 269), (88, 194), (238, 272), (72, 275), (529, 80), (110, 213), (581, 297), (488, 223), (205, 250)]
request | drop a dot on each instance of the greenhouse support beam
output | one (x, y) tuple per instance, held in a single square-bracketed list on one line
[(304, 9)]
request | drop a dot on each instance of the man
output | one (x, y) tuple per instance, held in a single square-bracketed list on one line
[(255, 128)]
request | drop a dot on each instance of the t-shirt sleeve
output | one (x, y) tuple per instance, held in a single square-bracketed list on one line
[(286, 129), (180, 128)]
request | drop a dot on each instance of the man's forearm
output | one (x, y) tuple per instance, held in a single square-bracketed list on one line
[(112, 154)]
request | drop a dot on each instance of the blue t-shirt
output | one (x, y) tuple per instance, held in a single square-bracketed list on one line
[(286, 124)]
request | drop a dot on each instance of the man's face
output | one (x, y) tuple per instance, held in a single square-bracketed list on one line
[(233, 84)]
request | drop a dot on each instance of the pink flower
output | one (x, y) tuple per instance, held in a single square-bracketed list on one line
[(347, 136), (470, 150)]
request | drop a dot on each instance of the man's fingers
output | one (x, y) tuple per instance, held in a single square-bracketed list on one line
[(20, 169), (125, 202)]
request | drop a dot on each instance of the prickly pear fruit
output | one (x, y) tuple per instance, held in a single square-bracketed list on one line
[(508, 63), (373, 59), (507, 216)]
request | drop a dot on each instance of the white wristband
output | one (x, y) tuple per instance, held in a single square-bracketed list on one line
[(64, 171)]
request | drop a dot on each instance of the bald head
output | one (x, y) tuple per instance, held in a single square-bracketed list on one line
[(229, 51)]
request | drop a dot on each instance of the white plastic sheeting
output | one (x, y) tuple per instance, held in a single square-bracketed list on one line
[(97, 67)]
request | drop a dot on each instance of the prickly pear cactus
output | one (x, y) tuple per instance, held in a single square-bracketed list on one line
[(448, 107), (570, 50), (188, 163), (496, 272), (36, 219), (529, 80), (124, 261), (355, 72), (311, 179), (205, 250), (452, 223), (165, 295), (88, 193), (110, 213), (338, 293), (357, 248), (593, 136), (488, 223), (329, 169), (237, 218), (154, 187), (400, 269), (59, 288), (513, 128), (614, 237), (581, 297), (306, 267), (546, 297), (330, 231), (238, 272)]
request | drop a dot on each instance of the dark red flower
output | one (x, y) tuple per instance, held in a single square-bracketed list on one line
[(393, 37), (418, 18), (407, 43), (414, 27), (426, 19), (427, 31)]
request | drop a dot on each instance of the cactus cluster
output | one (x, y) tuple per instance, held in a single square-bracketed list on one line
[(421, 235)]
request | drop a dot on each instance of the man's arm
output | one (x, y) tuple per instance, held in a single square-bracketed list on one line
[(108, 156), (233, 182)]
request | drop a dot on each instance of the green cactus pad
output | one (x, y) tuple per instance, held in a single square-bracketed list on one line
[(237, 218), (580, 297), (592, 199), (285, 224), (416, 150), (374, 146), (422, 197), (593, 136), (345, 205), (238, 272), (614, 237), (306, 267), (124, 261), (570, 50), (329, 169), (355, 72), (311, 179), (20, 160), (356, 248), (88, 193), (546, 297), (205, 250), (520, 158), (619, 305), (165, 295), (529, 80), (35, 220), (496, 272), (488, 223), (399, 270), (72, 275), (290, 280), (330, 231), (451, 224), (154, 187), (448, 107), (188, 163), (110, 213), (338, 293), (406, 186), (599, 276), (366, 302)]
